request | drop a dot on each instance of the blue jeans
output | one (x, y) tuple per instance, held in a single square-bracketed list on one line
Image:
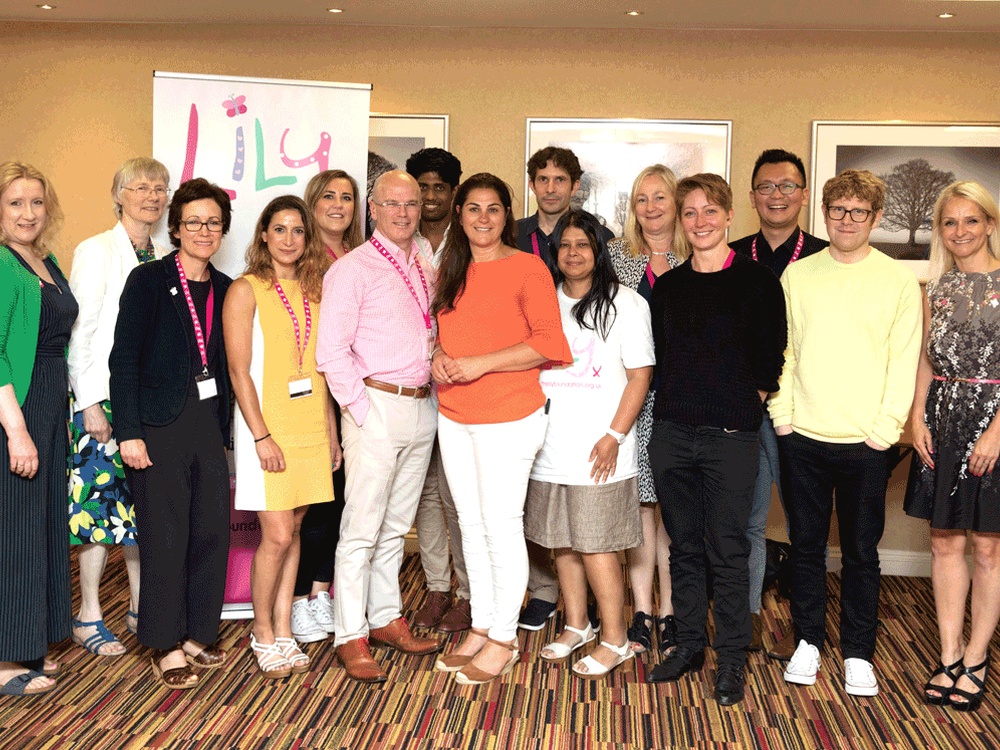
[(768, 473)]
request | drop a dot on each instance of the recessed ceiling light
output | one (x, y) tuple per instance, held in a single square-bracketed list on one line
[(46, 7), (946, 15), (633, 13), (334, 10)]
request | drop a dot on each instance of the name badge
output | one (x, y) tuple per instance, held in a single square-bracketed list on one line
[(300, 388), (206, 387)]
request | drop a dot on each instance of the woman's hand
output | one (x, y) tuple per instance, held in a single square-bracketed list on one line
[(465, 369), (984, 453), (336, 454), (23, 454), (134, 455), (922, 442), (439, 365), (270, 455), (605, 459), (96, 424)]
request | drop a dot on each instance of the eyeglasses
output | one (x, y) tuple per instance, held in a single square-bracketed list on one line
[(858, 215), (395, 205), (785, 188), (143, 191), (195, 225)]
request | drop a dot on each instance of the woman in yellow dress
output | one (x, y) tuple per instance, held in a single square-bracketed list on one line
[(284, 415)]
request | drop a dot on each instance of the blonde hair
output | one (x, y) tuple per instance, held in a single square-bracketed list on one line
[(314, 261), (140, 166), (716, 190), (941, 260), (354, 234), (633, 230), (10, 171)]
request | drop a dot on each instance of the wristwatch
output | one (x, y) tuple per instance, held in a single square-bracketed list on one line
[(618, 436)]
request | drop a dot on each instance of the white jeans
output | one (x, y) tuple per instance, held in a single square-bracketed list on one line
[(385, 461), (487, 466)]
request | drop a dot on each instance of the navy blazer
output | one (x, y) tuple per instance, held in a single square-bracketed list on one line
[(149, 362)]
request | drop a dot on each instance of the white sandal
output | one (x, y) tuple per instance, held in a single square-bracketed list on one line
[(271, 659), (293, 655), (596, 670), (561, 651)]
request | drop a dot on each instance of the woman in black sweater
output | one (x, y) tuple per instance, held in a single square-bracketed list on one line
[(170, 397), (719, 329)]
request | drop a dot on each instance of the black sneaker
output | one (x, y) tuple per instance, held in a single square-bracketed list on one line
[(678, 663), (535, 613), (729, 683)]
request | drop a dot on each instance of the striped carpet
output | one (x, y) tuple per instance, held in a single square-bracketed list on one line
[(113, 703)]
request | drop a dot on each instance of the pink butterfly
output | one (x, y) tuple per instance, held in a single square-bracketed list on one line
[(235, 105)]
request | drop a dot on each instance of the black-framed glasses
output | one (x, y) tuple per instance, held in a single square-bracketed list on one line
[(195, 225), (858, 215), (785, 188), (395, 205)]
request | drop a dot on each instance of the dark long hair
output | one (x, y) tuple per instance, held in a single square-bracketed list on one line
[(596, 309), (457, 253), (311, 265)]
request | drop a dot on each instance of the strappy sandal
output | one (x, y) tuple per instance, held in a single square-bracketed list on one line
[(454, 662), (666, 632), (595, 670), (972, 700), (101, 637), (470, 674), (271, 660), (175, 678), (943, 691), (562, 651), (294, 655), (18, 685), (132, 622), (640, 632)]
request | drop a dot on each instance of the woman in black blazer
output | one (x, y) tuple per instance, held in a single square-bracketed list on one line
[(170, 397)]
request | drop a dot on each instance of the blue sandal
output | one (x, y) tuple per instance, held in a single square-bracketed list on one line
[(101, 637), (134, 617), (17, 685)]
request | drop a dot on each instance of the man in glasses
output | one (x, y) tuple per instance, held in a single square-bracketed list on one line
[(374, 339), (778, 193), (854, 323)]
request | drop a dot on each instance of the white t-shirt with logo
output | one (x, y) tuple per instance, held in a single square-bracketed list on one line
[(585, 396)]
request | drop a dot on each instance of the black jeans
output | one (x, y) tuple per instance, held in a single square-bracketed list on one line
[(812, 474), (705, 481)]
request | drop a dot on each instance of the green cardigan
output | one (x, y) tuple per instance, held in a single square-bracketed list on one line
[(20, 309)]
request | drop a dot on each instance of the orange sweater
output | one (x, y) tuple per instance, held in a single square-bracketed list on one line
[(505, 302)]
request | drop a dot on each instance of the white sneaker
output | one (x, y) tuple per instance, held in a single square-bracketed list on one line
[(859, 678), (322, 610), (304, 625), (803, 665)]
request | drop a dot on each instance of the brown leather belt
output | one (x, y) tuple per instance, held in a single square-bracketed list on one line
[(421, 391)]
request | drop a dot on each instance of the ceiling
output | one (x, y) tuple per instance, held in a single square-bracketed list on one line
[(970, 16)]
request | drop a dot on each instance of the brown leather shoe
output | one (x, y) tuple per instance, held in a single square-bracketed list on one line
[(435, 606), (757, 638), (397, 635), (784, 648), (459, 618), (358, 662)]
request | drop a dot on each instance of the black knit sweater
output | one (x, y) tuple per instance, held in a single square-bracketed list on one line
[(720, 337)]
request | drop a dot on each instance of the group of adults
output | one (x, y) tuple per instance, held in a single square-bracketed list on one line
[(539, 397)]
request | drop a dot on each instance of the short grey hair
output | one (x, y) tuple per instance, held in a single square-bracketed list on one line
[(140, 166)]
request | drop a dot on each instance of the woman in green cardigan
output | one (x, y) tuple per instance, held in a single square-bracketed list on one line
[(37, 310)]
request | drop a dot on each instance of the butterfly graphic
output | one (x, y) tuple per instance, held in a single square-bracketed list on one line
[(235, 105)]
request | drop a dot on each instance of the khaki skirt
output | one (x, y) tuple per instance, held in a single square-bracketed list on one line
[(584, 518)]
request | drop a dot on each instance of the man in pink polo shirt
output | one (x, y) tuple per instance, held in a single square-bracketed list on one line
[(375, 337)]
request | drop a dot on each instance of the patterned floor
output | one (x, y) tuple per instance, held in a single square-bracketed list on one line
[(113, 703)]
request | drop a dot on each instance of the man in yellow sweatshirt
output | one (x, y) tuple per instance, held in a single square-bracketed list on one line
[(854, 318)]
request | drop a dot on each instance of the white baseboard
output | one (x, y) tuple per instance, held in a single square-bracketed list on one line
[(894, 562)]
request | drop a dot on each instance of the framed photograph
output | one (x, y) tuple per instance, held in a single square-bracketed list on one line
[(916, 160), (613, 152)]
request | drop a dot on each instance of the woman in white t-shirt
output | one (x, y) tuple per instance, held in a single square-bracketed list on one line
[(583, 499)]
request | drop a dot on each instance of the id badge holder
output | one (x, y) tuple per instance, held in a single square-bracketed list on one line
[(299, 386), (206, 386)]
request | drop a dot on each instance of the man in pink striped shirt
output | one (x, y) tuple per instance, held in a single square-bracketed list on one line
[(374, 342)]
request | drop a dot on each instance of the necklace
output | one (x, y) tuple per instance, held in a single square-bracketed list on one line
[(653, 252)]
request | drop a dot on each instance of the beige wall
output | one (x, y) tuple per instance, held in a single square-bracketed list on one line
[(76, 98)]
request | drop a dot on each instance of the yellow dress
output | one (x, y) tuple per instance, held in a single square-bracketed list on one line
[(299, 426)]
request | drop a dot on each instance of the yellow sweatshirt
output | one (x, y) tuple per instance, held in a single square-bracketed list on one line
[(853, 343)]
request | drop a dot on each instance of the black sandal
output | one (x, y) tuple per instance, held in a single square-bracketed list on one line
[(943, 690), (972, 700), (666, 631), (639, 632)]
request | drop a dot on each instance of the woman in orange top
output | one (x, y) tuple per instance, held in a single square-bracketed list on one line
[(498, 323)]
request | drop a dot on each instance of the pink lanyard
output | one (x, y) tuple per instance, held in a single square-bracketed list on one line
[(729, 260), (795, 255), (534, 244), (300, 345), (199, 337), (650, 276), (409, 285), (333, 255), (974, 381)]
